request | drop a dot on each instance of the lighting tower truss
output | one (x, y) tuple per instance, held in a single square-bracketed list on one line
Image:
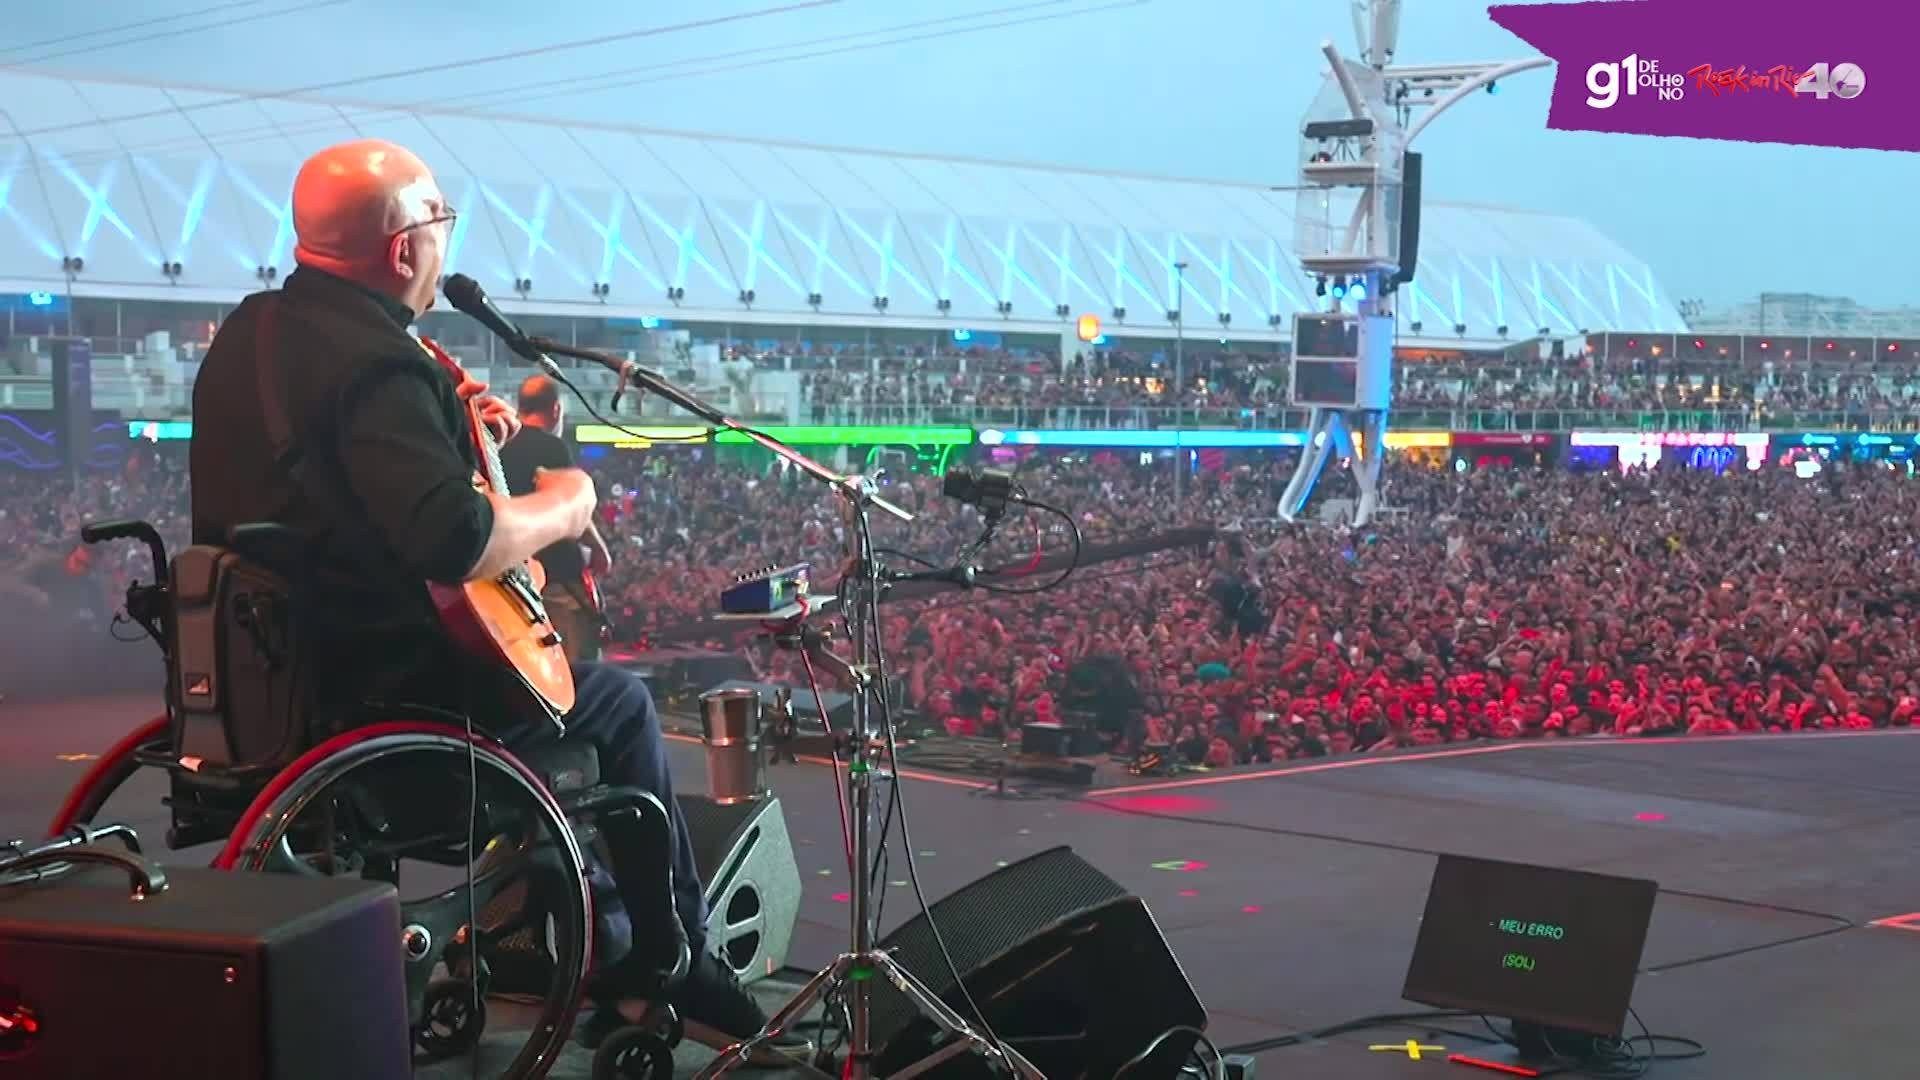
[(1351, 201)]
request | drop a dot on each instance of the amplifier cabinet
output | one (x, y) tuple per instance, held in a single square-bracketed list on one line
[(231, 975)]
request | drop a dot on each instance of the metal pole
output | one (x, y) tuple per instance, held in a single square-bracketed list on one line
[(1179, 377)]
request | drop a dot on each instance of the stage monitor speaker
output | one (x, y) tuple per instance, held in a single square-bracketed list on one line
[(1071, 970), (239, 976), (753, 882), (806, 713)]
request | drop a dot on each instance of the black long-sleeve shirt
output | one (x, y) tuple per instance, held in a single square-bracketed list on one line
[(384, 499)]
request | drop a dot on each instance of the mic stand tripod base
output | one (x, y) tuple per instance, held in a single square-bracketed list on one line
[(852, 966)]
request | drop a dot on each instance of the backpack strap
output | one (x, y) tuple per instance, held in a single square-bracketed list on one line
[(268, 384)]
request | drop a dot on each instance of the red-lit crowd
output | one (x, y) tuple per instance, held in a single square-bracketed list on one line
[(1499, 605)]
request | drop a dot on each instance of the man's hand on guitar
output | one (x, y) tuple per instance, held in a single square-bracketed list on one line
[(502, 419), (574, 487)]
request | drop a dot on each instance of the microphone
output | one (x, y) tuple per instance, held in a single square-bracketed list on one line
[(467, 297)]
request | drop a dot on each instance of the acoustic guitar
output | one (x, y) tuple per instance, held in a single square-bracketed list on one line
[(502, 621)]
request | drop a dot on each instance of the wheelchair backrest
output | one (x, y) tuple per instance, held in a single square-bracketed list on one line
[(240, 688)]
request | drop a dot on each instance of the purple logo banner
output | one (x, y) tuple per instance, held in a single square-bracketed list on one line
[(1766, 71)]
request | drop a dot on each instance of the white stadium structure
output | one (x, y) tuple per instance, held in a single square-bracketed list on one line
[(144, 192)]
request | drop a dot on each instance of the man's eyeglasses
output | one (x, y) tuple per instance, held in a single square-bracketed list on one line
[(447, 214)]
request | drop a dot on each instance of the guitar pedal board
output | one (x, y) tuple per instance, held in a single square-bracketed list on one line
[(766, 590)]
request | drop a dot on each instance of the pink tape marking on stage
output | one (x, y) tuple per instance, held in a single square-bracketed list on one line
[(1490, 748), (1300, 770)]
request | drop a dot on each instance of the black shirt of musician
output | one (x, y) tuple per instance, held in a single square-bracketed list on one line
[(537, 448), (384, 498)]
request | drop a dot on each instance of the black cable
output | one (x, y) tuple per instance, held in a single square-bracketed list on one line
[(1073, 564), (1218, 1072), (473, 914), (1415, 1019), (906, 835), (595, 413)]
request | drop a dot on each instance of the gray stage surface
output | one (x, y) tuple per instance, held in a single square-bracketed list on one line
[(1297, 891)]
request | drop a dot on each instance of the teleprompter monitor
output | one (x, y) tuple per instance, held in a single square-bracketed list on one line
[(1533, 944)]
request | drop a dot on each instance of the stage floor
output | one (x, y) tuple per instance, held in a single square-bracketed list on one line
[(1292, 895)]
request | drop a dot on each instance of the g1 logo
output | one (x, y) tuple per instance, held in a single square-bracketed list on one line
[(1606, 82), (1844, 81)]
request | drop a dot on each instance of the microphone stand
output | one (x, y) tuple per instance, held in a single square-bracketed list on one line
[(852, 973)]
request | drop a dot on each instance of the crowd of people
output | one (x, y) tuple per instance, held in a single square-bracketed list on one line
[(1502, 604), (954, 386)]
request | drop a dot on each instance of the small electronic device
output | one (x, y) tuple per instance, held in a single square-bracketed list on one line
[(1555, 951), (766, 590)]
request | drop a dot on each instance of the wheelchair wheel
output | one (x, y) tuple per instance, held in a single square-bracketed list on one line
[(392, 803), (633, 1053), (108, 772)]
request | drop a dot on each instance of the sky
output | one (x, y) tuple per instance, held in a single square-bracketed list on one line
[(1199, 88)]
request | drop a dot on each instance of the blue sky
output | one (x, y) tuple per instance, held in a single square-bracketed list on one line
[(1210, 88)]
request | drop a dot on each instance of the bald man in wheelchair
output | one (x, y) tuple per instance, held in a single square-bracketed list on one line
[(377, 488)]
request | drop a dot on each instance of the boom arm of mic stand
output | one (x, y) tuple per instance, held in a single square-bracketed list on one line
[(654, 382)]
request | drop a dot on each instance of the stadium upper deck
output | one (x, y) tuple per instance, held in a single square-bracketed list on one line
[(135, 191)]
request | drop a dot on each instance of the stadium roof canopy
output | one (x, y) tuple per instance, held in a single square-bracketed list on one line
[(127, 178)]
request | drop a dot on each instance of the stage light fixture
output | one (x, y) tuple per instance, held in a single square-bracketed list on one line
[(945, 305), (1119, 314), (814, 299), (1501, 329), (1320, 286), (746, 296)]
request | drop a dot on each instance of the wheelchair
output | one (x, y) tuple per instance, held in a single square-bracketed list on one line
[(509, 851)]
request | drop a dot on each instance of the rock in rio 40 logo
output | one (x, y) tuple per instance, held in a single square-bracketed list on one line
[(1607, 83)]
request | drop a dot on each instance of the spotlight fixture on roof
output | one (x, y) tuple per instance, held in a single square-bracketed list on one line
[(1062, 310), (170, 269), (1226, 317), (945, 305), (1339, 288), (73, 264), (601, 289), (523, 285), (746, 296), (1275, 320), (1460, 328), (1119, 314), (266, 273), (1501, 329), (1546, 331), (814, 299), (1005, 307), (880, 303), (1173, 315), (1414, 326), (1320, 286), (676, 294)]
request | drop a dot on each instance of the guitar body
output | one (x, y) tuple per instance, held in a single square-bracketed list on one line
[(503, 621)]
